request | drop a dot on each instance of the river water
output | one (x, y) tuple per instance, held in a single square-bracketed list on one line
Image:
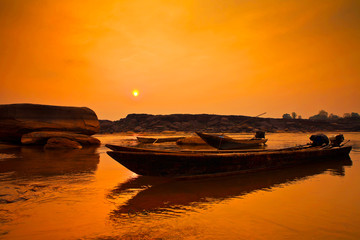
[(85, 194)]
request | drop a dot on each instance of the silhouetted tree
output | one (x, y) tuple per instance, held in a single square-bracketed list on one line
[(347, 115), (333, 117), (286, 116), (322, 115), (293, 115), (352, 115), (355, 115), (299, 117)]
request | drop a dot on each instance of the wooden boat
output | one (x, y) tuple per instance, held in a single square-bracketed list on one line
[(186, 165), (225, 143), (158, 140), (137, 149), (131, 149)]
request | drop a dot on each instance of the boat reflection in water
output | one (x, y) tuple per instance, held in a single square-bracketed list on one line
[(169, 197)]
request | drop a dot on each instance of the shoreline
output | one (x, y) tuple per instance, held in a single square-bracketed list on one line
[(190, 132), (147, 123)]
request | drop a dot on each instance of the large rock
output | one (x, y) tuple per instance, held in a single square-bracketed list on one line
[(62, 143), (40, 138), (19, 119)]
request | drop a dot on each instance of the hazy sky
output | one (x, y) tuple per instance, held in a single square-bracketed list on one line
[(240, 57)]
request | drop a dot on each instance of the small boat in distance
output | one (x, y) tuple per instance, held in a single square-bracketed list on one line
[(158, 140), (223, 142)]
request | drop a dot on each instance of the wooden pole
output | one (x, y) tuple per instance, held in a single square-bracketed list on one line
[(249, 119)]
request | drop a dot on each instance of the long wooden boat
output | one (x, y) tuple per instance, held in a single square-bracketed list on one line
[(137, 149), (158, 140), (131, 149), (226, 143), (218, 164)]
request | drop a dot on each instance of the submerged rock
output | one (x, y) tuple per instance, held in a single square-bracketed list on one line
[(40, 138), (191, 141), (19, 119), (57, 143)]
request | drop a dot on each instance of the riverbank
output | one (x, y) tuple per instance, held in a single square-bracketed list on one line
[(222, 123)]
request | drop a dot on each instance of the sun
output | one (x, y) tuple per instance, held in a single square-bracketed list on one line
[(135, 92)]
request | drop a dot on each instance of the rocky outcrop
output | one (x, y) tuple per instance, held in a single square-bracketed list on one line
[(40, 138), (62, 143), (19, 119), (221, 123)]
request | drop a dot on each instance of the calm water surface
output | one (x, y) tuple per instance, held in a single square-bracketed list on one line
[(84, 194)]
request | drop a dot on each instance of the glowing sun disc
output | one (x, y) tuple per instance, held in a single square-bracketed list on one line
[(135, 93)]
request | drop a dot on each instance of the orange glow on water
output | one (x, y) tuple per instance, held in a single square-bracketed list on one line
[(85, 194)]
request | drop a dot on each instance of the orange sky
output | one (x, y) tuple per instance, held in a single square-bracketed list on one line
[(240, 57)]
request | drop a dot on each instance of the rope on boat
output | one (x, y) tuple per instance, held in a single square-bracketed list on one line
[(344, 143)]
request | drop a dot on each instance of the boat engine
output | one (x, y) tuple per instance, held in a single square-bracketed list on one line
[(260, 134), (337, 140), (319, 139)]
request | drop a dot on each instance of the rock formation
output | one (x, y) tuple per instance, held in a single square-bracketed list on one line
[(35, 124), (42, 137), (64, 143)]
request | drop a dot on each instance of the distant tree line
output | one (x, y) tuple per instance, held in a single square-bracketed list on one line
[(292, 116), (323, 115)]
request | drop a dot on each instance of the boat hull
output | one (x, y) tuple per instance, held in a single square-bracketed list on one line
[(201, 164), (137, 149), (157, 140), (227, 143)]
